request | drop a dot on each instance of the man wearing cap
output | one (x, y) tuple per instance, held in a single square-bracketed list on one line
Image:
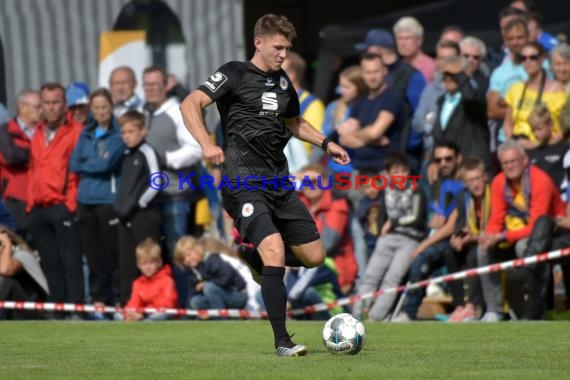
[(77, 96), (404, 79)]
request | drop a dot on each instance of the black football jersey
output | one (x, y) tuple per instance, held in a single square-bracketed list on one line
[(252, 106)]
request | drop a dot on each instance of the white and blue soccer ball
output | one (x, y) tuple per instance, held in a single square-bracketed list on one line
[(344, 334)]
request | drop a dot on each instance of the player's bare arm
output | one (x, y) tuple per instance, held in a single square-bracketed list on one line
[(191, 109), (305, 132)]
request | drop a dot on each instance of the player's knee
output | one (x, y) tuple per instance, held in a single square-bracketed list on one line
[(315, 258)]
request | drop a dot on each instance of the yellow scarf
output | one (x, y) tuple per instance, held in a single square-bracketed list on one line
[(474, 227)]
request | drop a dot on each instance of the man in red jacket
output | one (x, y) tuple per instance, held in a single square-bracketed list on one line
[(15, 140), (519, 195), (52, 198)]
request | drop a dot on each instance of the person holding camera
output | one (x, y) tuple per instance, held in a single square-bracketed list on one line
[(462, 112)]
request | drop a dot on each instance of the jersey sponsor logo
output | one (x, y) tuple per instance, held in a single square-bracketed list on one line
[(215, 81), (247, 210), (283, 83), (269, 100), (269, 82)]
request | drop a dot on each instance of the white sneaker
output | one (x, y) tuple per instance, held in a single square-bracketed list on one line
[(492, 316), (401, 317)]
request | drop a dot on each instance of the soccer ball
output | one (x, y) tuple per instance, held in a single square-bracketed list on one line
[(344, 334)]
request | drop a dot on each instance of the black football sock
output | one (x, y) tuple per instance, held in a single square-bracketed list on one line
[(291, 260), (251, 257), (275, 299)]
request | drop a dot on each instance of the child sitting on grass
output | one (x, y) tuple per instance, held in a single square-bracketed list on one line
[(214, 284), (155, 288)]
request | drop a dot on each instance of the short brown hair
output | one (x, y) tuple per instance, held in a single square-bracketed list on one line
[(103, 93), (52, 86), (148, 250), (157, 69), (134, 117), (470, 163), (272, 24)]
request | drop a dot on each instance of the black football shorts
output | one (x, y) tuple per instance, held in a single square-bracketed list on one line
[(260, 213)]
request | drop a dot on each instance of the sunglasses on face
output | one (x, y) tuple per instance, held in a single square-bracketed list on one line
[(474, 56), (439, 160), (531, 57)]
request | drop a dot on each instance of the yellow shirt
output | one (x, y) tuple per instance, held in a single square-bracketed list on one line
[(554, 101), (314, 114)]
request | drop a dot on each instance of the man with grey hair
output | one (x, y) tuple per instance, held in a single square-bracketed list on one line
[(122, 83), (475, 51), (409, 38), (560, 60), (520, 194), (462, 113), (15, 139)]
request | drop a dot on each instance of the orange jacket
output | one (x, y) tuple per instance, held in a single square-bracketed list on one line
[(50, 182), (157, 291), (14, 160), (334, 214), (544, 200)]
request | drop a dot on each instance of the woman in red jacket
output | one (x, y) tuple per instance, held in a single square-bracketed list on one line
[(332, 217)]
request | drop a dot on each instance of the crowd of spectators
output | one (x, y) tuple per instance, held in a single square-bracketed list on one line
[(486, 128)]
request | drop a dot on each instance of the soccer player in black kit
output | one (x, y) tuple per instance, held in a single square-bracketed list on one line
[(259, 110)]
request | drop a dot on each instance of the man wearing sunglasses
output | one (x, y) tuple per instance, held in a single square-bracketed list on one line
[(429, 255)]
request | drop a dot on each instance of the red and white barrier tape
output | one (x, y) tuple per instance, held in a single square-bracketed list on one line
[(246, 314)]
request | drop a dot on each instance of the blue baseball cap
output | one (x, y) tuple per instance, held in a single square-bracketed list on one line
[(77, 94), (377, 37)]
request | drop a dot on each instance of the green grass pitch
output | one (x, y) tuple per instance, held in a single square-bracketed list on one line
[(243, 350)]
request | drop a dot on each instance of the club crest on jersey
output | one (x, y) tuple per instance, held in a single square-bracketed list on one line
[(215, 81), (283, 83), (247, 210)]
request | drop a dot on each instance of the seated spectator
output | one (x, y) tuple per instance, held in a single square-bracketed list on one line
[(21, 277), (77, 95), (154, 288), (429, 255), (523, 97), (520, 194), (332, 217), (96, 159), (473, 210), (138, 214), (549, 155), (371, 211), (214, 284), (400, 235), (311, 286)]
